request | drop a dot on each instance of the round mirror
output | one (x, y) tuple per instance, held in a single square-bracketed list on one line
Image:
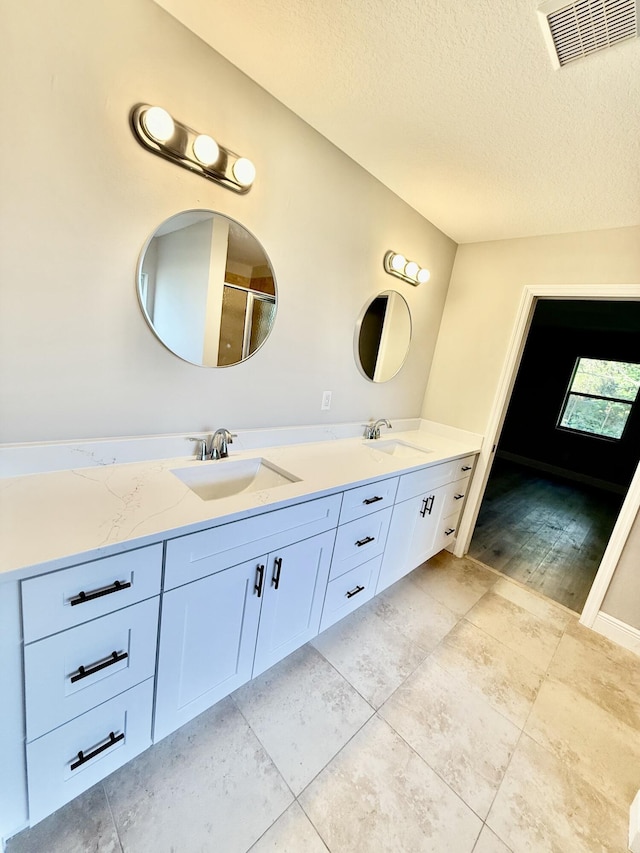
[(383, 335), (207, 288)]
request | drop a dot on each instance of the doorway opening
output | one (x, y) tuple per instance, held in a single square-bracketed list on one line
[(568, 448)]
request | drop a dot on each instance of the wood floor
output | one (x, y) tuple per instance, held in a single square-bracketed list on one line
[(546, 532)]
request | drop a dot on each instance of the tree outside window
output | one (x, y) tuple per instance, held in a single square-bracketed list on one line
[(600, 396)]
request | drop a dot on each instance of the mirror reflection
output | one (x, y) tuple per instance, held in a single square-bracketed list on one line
[(383, 336), (207, 288)]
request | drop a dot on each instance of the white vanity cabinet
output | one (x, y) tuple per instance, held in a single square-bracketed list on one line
[(121, 651), (424, 521), (90, 636), (222, 629)]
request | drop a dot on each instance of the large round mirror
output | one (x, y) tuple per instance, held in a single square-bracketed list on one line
[(207, 288), (383, 335)]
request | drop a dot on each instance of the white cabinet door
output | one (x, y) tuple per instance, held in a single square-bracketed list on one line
[(295, 587), (207, 642), (413, 535)]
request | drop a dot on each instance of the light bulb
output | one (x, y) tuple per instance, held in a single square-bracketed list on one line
[(411, 269), (158, 124), (206, 149), (423, 275), (244, 171), (398, 262)]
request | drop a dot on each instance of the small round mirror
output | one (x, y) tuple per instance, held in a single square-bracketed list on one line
[(207, 288), (383, 335)]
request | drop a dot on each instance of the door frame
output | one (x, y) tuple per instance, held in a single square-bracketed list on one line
[(631, 504)]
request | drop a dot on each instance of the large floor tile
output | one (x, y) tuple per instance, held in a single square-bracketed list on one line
[(508, 681), (371, 654), (209, 786), (455, 730), (378, 795), (83, 824), (610, 680), (293, 832), (456, 583), (490, 843), (303, 712), (544, 806), (599, 643), (602, 749), (414, 613), (535, 603), (534, 637)]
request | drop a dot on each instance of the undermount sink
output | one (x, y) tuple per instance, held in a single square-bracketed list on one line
[(397, 448), (225, 477)]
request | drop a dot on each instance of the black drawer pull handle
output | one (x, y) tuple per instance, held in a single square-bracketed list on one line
[(368, 501), (82, 758), (98, 593), (365, 541), (277, 566), (353, 592), (427, 505), (84, 672), (450, 531), (466, 467), (259, 580), (457, 497)]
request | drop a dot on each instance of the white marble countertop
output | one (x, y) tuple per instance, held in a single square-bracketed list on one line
[(46, 519)]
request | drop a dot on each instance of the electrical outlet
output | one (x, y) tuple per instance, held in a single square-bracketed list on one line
[(326, 401)]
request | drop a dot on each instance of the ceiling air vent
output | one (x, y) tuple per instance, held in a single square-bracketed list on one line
[(577, 29)]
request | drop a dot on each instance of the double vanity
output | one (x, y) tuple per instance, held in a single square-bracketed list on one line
[(154, 589)]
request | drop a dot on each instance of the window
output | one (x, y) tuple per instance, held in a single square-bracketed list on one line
[(600, 396)]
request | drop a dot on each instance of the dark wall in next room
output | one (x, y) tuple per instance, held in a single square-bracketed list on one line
[(561, 332)]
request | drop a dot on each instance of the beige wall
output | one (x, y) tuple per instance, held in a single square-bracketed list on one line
[(484, 294), (80, 196)]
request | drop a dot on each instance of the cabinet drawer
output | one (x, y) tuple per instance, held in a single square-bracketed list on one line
[(417, 482), (200, 554), (57, 689), (63, 599), (454, 497), (53, 777), (367, 499), (447, 532), (463, 467), (346, 593), (359, 541)]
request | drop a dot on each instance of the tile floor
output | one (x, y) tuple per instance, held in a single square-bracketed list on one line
[(456, 712)]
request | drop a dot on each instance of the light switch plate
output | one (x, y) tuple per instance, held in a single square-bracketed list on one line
[(326, 401)]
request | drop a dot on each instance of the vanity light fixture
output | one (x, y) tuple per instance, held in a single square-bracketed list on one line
[(157, 131), (396, 264)]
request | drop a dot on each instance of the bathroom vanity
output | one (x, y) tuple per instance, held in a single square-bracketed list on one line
[(152, 590)]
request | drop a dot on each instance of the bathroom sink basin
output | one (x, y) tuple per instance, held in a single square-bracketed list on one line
[(225, 477), (399, 449)]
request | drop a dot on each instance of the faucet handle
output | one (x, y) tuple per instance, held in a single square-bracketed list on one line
[(202, 449)]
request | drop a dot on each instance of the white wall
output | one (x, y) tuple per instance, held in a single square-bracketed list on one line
[(484, 294), (80, 197)]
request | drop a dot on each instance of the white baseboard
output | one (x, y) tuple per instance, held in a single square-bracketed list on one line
[(634, 825), (618, 632)]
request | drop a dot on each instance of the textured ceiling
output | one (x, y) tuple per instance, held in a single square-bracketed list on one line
[(452, 104)]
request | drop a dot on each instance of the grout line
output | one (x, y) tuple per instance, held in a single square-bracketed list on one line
[(115, 824)]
